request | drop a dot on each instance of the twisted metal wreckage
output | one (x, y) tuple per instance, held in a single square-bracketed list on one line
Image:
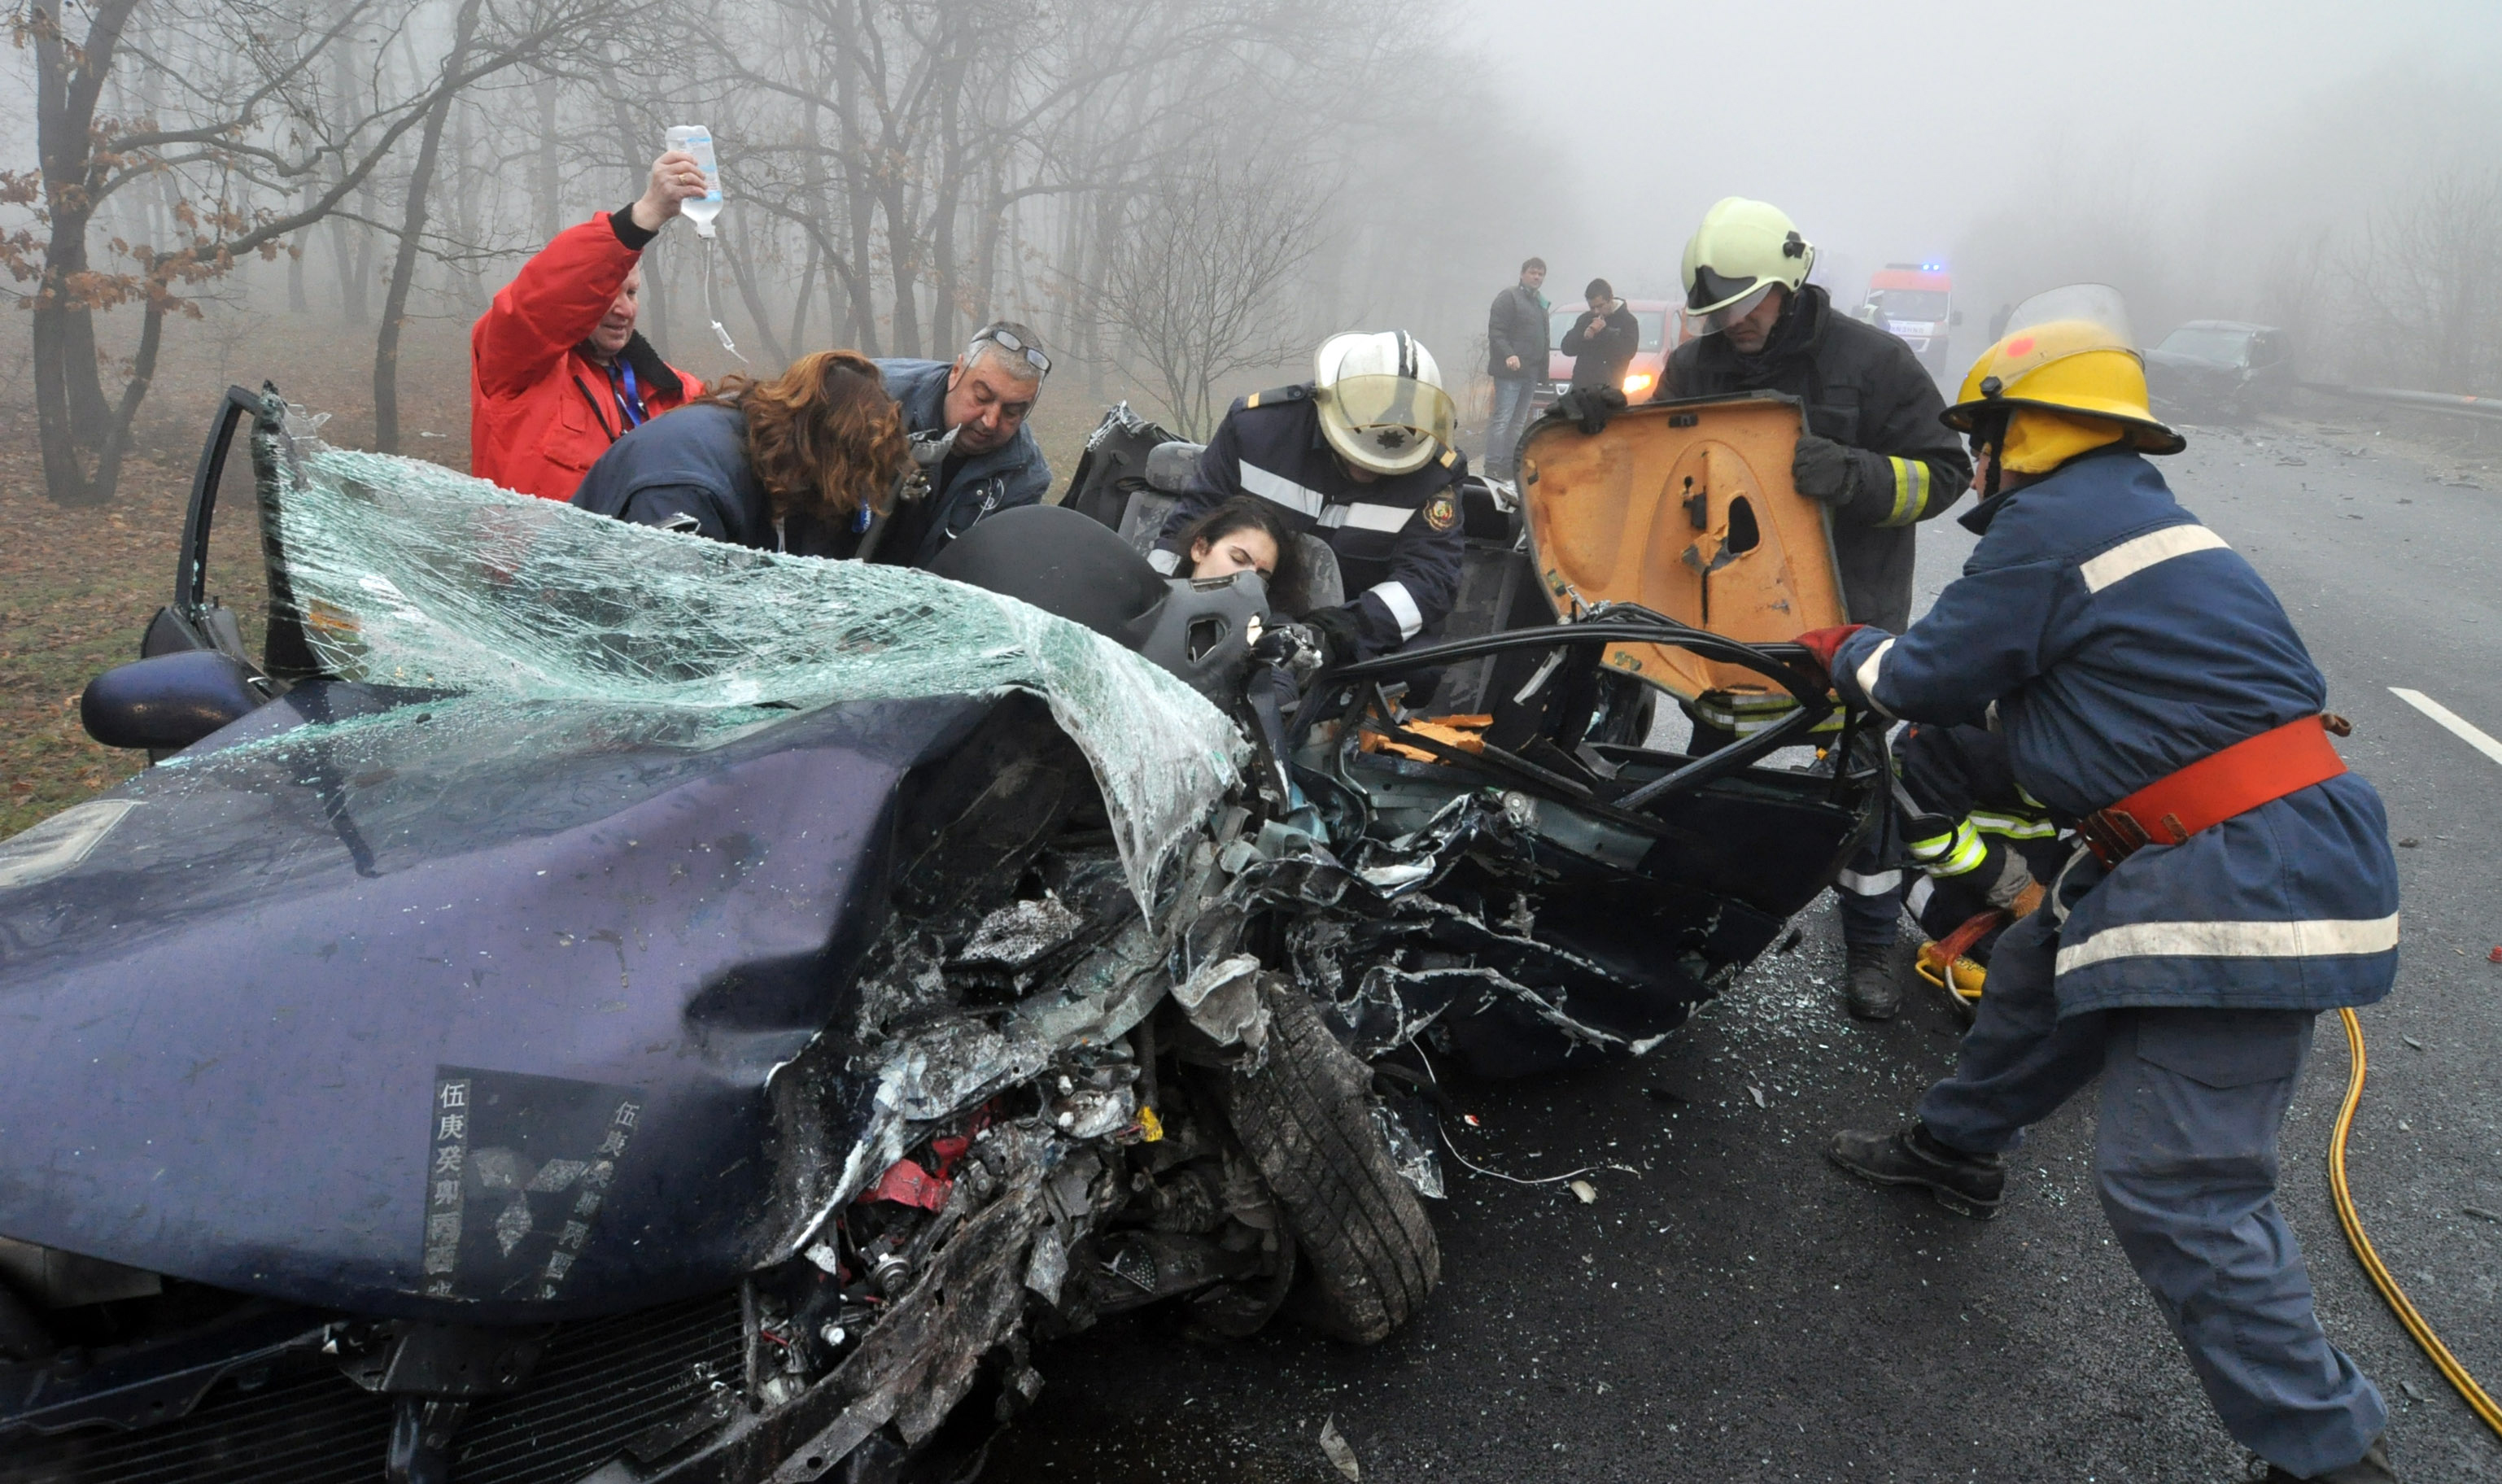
[(587, 1003)]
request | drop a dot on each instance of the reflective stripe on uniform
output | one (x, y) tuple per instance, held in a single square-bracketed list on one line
[(2318, 939), (1282, 490), (1917, 899), (1911, 491), (1402, 604), (1880, 884), (1952, 853), (2130, 557), (1868, 669), (1364, 517), (2014, 827), (1747, 714)]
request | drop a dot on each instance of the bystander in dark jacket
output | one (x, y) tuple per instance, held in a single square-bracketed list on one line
[(1602, 341)]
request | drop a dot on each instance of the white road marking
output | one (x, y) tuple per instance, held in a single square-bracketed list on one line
[(2466, 730)]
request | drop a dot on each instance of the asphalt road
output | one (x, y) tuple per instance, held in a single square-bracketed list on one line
[(1740, 1311)]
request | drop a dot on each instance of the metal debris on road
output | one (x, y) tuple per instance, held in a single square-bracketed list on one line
[(2480, 1213), (1337, 1450)]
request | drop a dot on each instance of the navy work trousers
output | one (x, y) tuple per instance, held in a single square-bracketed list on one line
[(2185, 1162)]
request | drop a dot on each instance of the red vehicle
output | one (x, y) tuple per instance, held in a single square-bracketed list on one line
[(1914, 303), (1660, 320)]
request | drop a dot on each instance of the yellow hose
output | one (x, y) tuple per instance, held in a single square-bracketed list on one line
[(2477, 1401)]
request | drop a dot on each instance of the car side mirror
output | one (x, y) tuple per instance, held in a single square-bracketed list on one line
[(1954, 318), (169, 703)]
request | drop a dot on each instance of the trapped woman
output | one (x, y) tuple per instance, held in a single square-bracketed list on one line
[(1242, 535), (802, 464)]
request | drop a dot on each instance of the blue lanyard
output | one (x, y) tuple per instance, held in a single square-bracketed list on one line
[(631, 403)]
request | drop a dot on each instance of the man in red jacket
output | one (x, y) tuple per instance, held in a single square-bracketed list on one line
[(556, 370)]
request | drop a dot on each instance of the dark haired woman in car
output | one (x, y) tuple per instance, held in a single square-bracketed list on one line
[(803, 463)]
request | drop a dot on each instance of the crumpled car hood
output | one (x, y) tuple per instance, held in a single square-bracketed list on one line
[(456, 987)]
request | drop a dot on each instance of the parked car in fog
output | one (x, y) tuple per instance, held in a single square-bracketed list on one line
[(1663, 330), (2220, 368)]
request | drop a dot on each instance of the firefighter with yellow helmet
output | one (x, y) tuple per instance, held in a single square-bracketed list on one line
[(2235, 880)]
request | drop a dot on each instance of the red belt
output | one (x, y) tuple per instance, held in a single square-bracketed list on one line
[(2213, 788)]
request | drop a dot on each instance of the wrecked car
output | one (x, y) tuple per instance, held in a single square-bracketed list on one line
[(2221, 368), (579, 1004)]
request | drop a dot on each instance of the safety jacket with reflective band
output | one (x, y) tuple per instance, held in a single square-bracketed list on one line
[(2122, 641), (1397, 540)]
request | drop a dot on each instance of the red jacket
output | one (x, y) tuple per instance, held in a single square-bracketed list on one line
[(540, 414)]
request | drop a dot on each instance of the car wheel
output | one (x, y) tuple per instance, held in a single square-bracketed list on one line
[(1306, 1120)]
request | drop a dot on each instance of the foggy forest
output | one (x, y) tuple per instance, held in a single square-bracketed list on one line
[(1184, 194)]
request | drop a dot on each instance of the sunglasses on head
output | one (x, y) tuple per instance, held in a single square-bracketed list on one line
[(1007, 341)]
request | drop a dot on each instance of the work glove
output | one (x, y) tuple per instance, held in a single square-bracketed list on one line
[(1825, 643), (1821, 469), (1822, 643), (1338, 630), (1591, 407)]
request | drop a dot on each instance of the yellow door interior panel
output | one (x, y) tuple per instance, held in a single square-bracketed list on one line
[(1686, 509)]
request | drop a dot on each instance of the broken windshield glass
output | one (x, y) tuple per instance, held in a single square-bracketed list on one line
[(407, 574)]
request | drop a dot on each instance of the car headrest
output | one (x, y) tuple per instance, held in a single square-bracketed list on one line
[(1061, 562), (1170, 465)]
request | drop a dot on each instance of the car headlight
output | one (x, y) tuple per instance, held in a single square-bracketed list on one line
[(1637, 383)]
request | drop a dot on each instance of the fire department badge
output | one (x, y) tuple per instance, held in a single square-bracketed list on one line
[(1440, 513)]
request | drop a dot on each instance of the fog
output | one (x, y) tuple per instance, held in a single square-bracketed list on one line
[(1185, 195), (2192, 153)]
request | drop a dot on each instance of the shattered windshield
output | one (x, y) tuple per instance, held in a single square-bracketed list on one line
[(408, 574)]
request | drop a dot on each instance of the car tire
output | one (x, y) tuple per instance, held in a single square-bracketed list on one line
[(1306, 1120)]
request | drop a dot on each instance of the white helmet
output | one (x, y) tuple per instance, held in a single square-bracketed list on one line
[(1381, 400)]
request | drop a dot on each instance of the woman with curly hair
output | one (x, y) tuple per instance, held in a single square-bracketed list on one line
[(803, 463)]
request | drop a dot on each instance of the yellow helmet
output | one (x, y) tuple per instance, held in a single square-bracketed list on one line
[(2068, 351)]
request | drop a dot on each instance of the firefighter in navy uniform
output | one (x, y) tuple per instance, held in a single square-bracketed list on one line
[(2238, 879), (1362, 456), (1872, 452)]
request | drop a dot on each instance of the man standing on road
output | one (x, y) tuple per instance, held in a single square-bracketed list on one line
[(983, 398), (1516, 348), (556, 370), (1872, 451), (1362, 456), (2240, 880)]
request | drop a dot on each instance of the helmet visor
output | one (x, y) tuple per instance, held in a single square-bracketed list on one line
[(2088, 317), (1711, 321), (1393, 414)]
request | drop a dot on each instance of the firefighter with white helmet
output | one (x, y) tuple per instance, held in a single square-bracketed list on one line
[(1360, 456), (2236, 879)]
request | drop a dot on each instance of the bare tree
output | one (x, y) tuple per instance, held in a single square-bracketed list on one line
[(2426, 281), (245, 108), (1196, 278)]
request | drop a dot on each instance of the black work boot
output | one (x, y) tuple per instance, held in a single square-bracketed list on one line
[(1873, 990), (1967, 1184), (2373, 1468)]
